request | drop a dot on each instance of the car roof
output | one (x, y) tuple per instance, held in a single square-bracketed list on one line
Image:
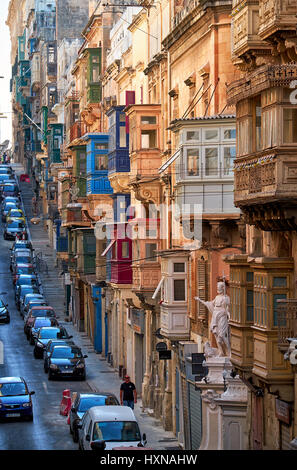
[(42, 307), (26, 276), (7, 380), (112, 413), (24, 265), (95, 394)]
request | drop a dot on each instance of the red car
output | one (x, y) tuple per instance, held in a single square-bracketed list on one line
[(21, 269), (45, 311)]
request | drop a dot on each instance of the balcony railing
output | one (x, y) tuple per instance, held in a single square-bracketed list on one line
[(287, 322)]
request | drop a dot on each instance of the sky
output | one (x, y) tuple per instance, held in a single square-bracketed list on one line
[(5, 71)]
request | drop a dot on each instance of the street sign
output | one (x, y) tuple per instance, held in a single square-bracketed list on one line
[(164, 355)]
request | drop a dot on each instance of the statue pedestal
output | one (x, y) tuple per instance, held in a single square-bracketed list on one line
[(223, 412)]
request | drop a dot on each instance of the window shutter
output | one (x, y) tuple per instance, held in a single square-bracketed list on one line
[(202, 290), (130, 99)]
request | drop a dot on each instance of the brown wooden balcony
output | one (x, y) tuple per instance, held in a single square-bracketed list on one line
[(287, 322), (74, 215), (265, 188), (276, 16), (77, 130)]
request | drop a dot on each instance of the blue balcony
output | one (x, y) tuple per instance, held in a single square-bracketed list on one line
[(118, 155), (97, 164), (62, 245)]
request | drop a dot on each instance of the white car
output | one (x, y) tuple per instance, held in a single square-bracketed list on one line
[(115, 425)]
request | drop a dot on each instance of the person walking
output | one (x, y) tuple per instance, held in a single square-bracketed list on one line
[(128, 394)]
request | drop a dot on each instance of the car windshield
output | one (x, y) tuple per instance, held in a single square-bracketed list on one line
[(2, 304), (27, 289), (9, 206), (25, 270), (19, 246), (48, 334), (43, 313), (24, 259), (15, 213), (15, 224), (42, 322), (86, 403), (119, 431), (10, 189), (13, 389), (27, 299), (27, 282), (66, 353)]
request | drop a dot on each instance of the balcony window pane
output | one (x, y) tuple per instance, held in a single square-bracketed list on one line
[(229, 157), (101, 162), (123, 136), (150, 249), (290, 125), (193, 135), (211, 161), (125, 250), (101, 146), (258, 124), (148, 120), (122, 117), (275, 304), (179, 267), (211, 134), (229, 134), (250, 305), (148, 139), (279, 282), (193, 162), (179, 290)]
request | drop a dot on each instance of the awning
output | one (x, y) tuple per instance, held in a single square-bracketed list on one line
[(170, 161), (108, 248), (158, 288)]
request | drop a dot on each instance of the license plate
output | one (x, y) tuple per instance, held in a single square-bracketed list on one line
[(13, 415), (67, 372)]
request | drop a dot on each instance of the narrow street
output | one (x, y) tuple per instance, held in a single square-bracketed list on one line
[(50, 431)]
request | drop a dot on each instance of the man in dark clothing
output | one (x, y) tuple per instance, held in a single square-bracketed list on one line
[(128, 394)]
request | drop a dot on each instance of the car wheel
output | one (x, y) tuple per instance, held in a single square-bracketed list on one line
[(35, 354), (31, 340), (45, 369), (4, 236), (50, 375), (29, 418), (8, 320), (83, 377)]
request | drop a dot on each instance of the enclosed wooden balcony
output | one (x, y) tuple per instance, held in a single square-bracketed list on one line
[(277, 16), (77, 130), (287, 322)]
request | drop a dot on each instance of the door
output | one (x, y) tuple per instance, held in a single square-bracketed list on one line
[(185, 405), (195, 411), (96, 294), (81, 307), (257, 422), (177, 411), (106, 334), (139, 370)]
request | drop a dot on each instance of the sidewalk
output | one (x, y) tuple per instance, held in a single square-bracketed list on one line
[(100, 375)]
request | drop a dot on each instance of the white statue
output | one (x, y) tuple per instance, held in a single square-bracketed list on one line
[(219, 307)]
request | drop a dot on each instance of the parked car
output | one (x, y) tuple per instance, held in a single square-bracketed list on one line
[(22, 291), (15, 214), (22, 269), (14, 199), (116, 425), (10, 189), (22, 256), (27, 280), (38, 323), (67, 361), (35, 303), (28, 297), (82, 403), (19, 244), (4, 313), (15, 398), (6, 208), (14, 229), (49, 347), (45, 335)]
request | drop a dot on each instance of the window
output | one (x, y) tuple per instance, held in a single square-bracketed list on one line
[(123, 136), (193, 136), (122, 117), (101, 162), (229, 157), (229, 134), (279, 282), (148, 120), (211, 161), (211, 134), (258, 124), (277, 297), (193, 162), (150, 252), (148, 139), (179, 290), (125, 250), (95, 74), (178, 267), (290, 125), (101, 146), (250, 305)]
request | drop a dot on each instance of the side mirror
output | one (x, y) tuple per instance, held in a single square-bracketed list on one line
[(88, 437), (32, 393), (70, 337), (85, 356), (98, 445), (144, 437), (73, 409), (79, 426)]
